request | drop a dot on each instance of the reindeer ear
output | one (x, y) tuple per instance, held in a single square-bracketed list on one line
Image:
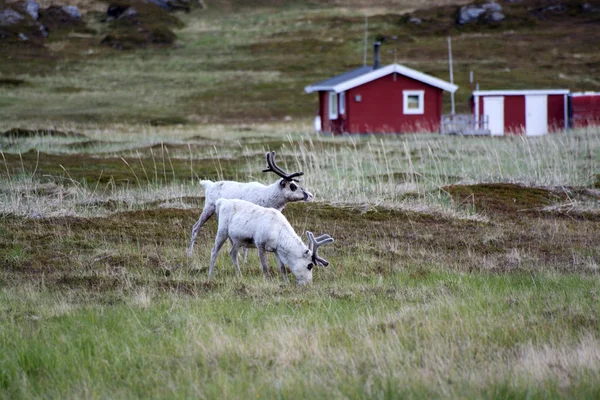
[(310, 237), (282, 183)]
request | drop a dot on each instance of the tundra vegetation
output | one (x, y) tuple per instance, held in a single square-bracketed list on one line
[(462, 267)]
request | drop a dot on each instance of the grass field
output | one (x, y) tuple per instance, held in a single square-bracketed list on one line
[(462, 267), (456, 272)]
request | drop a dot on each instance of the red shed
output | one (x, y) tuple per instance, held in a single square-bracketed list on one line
[(374, 99), (585, 109), (521, 112)]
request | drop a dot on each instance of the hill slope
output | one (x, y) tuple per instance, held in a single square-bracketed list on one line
[(251, 63)]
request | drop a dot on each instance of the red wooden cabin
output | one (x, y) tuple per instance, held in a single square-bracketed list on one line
[(521, 112), (374, 99), (585, 109)]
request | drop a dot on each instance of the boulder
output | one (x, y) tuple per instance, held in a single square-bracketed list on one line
[(73, 11), (43, 31), (139, 23), (18, 22), (589, 8), (129, 13), (494, 16), (551, 10), (160, 3), (489, 12), (32, 8), (115, 10), (9, 17), (57, 17), (173, 5)]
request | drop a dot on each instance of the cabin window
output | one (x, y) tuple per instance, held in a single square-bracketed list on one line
[(414, 101), (333, 105), (342, 103)]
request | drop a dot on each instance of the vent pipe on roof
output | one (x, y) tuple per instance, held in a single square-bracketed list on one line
[(376, 63)]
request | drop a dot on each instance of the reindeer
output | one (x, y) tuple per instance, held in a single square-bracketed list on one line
[(276, 195), (248, 225)]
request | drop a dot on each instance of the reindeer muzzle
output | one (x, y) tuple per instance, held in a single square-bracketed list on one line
[(307, 196)]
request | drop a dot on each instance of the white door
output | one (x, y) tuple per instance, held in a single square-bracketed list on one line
[(536, 115), (493, 112)]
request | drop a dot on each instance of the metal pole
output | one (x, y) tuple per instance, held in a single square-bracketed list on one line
[(451, 73), (365, 45)]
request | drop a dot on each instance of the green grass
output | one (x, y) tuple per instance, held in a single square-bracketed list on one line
[(443, 335)]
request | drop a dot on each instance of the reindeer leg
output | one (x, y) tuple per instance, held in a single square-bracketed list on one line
[(245, 256), (282, 268), (220, 239), (206, 214), (263, 261), (233, 253)]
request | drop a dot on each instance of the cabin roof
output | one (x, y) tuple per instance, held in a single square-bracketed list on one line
[(362, 75)]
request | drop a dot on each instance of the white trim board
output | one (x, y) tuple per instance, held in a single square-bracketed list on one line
[(518, 92), (420, 110), (578, 94), (333, 98)]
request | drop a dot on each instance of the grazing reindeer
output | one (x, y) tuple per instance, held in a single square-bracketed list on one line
[(248, 225), (276, 195)]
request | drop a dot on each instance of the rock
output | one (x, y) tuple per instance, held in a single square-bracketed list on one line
[(115, 11), (556, 8), (61, 16), (548, 11), (587, 7), (173, 5), (160, 3), (489, 12), (9, 17), (43, 31), (495, 16), (415, 20), (185, 5), (73, 11), (32, 8), (130, 12), (23, 36)]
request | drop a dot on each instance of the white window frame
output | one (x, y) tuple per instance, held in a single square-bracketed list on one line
[(342, 103), (413, 111), (333, 100)]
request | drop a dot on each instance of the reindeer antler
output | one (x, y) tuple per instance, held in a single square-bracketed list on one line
[(272, 167), (315, 243)]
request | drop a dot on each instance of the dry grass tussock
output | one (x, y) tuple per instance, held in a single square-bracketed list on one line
[(153, 166), (558, 362)]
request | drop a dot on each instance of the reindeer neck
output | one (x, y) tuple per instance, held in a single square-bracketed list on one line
[(290, 247), (275, 197)]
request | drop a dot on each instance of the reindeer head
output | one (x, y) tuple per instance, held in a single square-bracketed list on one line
[(303, 267), (289, 186)]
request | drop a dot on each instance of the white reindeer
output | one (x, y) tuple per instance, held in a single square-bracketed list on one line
[(248, 225), (276, 195)]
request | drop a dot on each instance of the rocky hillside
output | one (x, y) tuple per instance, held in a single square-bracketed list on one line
[(123, 24)]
